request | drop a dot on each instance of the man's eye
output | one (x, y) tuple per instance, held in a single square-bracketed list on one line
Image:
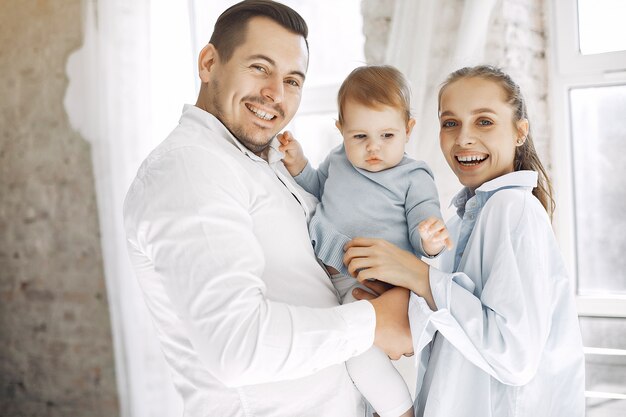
[(259, 68), (293, 83)]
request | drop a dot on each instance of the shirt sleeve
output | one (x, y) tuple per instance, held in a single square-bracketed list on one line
[(199, 235), (422, 202), (503, 330), (313, 180)]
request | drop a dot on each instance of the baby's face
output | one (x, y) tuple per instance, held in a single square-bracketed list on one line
[(374, 137)]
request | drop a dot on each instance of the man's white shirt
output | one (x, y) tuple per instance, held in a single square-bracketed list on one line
[(248, 320)]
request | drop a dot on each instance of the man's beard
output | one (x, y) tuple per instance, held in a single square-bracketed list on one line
[(238, 131)]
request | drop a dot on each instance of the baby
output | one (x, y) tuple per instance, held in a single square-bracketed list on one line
[(369, 187)]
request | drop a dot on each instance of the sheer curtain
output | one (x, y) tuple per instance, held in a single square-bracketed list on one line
[(126, 87), (429, 39)]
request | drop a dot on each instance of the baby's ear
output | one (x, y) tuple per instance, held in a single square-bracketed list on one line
[(338, 125), (409, 127)]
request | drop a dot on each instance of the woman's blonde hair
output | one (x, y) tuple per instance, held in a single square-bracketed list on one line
[(526, 157)]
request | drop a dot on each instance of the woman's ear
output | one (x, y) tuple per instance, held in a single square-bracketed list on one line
[(522, 131), (409, 128), (206, 61)]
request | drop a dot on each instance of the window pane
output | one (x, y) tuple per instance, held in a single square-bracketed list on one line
[(605, 373), (317, 134), (599, 146), (601, 26), (335, 40)]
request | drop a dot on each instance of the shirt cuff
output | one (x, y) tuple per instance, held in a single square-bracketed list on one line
[(422, 331), (305, 174), (360, 319), (440, 283)]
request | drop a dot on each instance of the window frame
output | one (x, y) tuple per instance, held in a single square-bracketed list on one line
[(570, 69)]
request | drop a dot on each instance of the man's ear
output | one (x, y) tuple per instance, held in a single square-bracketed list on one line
[(409, 127), (206, 61)]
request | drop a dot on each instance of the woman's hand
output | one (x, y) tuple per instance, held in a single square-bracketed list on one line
[(369, 259)]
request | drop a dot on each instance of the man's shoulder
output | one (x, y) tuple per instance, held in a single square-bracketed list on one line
[(188, 143)]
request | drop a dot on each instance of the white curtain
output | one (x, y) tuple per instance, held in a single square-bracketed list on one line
[(428, 40), (126, 87)]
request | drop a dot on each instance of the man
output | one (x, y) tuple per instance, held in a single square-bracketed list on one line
[(248, 320)]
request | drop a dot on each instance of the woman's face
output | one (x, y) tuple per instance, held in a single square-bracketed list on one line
[(477, 133)]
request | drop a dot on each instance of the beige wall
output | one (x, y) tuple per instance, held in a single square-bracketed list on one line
[(55, 340)]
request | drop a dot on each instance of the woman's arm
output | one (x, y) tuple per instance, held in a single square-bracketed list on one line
[(369, 259), (498, 319)]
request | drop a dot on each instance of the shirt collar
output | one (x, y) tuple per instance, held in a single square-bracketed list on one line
[(207, 119), (515, 179)]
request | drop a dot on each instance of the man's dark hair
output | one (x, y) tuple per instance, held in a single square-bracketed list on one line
[(230, 28)]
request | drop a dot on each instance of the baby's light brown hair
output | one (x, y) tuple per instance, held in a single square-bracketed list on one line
[(375, 86)]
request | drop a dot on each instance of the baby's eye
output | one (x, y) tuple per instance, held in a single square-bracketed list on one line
[(387, 135), (448, 123), (360, 136)]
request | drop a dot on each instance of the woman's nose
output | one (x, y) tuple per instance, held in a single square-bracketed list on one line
[(465, 137)]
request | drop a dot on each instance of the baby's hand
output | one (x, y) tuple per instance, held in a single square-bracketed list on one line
[(294, 159), (434, 236)]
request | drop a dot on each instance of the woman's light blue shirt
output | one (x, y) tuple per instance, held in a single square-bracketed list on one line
[(505, 340)]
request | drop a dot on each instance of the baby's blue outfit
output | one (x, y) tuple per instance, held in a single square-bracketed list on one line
[(356, 203)]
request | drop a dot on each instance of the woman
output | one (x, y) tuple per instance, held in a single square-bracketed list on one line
[(496, 326)]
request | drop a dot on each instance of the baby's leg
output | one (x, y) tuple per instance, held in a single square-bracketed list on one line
[(378, 380)]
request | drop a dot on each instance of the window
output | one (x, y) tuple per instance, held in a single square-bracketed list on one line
[(589, 130)]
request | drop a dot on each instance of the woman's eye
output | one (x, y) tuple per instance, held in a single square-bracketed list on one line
[(485, 122), (448, 123)]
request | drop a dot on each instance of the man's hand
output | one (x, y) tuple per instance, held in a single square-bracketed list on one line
[(393, 334), (434, 236), (294, 159)]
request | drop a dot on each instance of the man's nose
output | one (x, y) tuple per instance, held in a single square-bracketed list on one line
[(273, 90)]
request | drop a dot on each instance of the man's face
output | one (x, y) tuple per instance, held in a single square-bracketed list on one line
[(257, 92)]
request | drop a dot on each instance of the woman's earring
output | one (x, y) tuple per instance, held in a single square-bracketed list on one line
[(521, 140)]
